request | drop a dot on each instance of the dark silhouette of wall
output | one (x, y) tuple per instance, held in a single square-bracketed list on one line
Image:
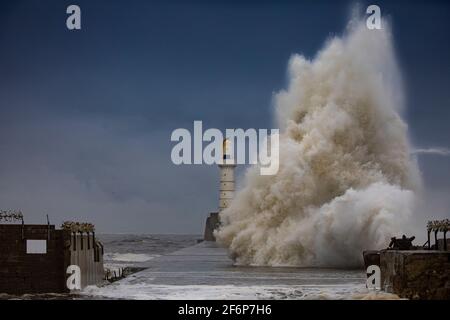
[(22, 272), (33, 273)]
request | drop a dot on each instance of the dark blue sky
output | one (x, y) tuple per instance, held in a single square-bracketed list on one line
[(86, 116)]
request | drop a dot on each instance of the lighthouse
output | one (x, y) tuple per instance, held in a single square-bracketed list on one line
[(226, 188)]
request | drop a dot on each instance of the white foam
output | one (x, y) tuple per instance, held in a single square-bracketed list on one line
[(346, 182), (143, 291), (129, 257)]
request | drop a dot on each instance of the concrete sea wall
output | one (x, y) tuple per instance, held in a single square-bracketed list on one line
[(23, 272), (86, 253), (416, 274), (32, 273)]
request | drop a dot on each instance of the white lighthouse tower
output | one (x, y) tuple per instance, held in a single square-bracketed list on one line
[(226, 190), (226, 177)]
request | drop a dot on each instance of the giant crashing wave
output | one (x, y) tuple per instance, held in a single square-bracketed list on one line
[(346, 180)]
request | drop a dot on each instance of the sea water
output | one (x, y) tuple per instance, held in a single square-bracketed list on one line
[(178, 268)]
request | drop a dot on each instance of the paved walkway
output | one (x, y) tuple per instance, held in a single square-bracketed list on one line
[(204, 271)]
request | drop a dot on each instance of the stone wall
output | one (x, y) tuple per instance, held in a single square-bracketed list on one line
[(416, 274), (87, 253), (33, 273), (22, 272), (441, 246)]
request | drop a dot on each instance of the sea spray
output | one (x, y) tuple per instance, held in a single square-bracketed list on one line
[(346, 181)]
